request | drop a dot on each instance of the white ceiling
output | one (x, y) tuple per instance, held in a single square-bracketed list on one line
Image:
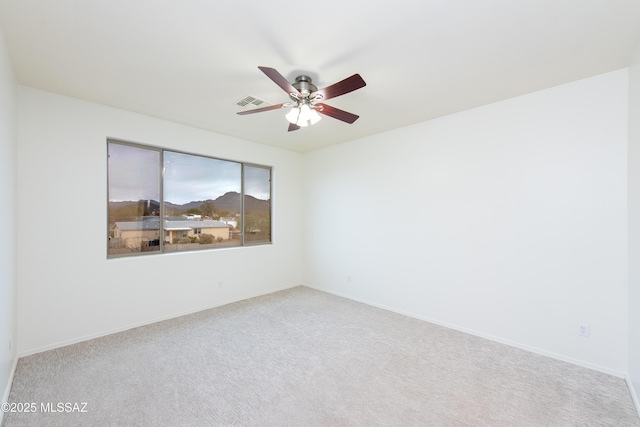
[(190, 61)]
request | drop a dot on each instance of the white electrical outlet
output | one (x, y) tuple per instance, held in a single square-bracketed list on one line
[(220, 284), (349, 279), (10, 342), (583, 330)]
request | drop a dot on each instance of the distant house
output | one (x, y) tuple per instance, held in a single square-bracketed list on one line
[(177, 229), (134, 233), (231, 220)]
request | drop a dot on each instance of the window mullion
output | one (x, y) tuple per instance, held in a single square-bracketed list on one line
[(161, 201), (242, 218)]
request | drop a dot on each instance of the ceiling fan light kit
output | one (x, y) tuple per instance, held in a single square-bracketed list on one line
[(306, 98), (303, 115)]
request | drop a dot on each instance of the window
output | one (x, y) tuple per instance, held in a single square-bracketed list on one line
[(134, 192), (193, 202), (257, 204)]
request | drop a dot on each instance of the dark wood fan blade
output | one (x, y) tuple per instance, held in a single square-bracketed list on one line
[(336, 113), (293, 126), (347, 85), (260, 110), (279, 79)]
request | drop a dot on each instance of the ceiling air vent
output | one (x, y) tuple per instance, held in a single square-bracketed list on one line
[(250, 102)]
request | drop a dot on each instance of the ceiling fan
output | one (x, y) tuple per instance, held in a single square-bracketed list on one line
[(306, 99)]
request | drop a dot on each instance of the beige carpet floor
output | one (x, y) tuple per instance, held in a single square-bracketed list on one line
[(301, 357)]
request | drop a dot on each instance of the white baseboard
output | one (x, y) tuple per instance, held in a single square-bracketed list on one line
[(634, 395), (7, 390), (29, 352), (479, 334)]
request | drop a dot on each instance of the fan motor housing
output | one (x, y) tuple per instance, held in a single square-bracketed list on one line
[(304, 85)]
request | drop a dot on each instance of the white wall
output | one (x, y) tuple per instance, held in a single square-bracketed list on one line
[(67, 288), (508, 220), (634, 226), (7, 219)]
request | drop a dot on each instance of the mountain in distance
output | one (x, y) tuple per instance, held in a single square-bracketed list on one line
[(229, 201), (144, 207)]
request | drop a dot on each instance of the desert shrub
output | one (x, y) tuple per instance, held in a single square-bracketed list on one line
[(219, 239), (206, 239)]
